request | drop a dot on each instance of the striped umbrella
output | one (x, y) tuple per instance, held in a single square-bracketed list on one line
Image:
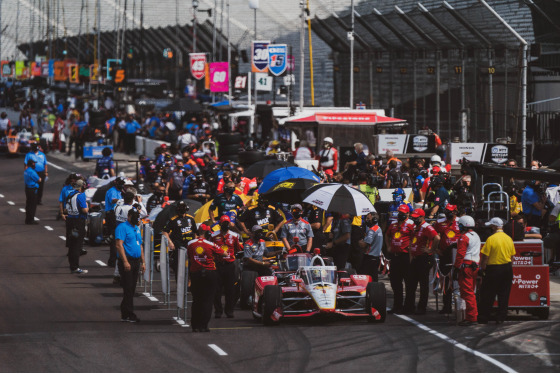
[(336, 197)]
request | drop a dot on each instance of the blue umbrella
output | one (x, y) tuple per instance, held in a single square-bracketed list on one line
[(280, 175)]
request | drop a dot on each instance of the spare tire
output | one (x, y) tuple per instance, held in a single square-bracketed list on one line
[(230, 149), (225, 138)]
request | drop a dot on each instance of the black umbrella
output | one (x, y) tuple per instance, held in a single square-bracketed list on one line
[(184, 104), (169, 211), (99, 195), (289, 191), (262, 168)]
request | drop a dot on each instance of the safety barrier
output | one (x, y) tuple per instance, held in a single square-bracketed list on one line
[(182, 274), (147, 146)]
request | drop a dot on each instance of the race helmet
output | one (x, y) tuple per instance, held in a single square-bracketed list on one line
[(398, 195), (435, 160), (182, 207), (328, 139), (466, 222)]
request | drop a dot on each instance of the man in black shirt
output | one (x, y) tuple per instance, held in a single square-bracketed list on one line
[(157, 198), (315, 216), (261, 215), (199, 190), (180, 230)]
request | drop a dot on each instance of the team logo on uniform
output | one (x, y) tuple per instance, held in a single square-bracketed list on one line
[(199, 250), (397, 235), (198, 64), (225, 248), (414, 240), (450, 234), (277, 58)]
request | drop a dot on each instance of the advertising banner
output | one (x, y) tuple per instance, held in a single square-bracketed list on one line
[(481, 152), (277, 58), (404, 143), (259, 56), (198, 64), (219, 77), (6, 69)]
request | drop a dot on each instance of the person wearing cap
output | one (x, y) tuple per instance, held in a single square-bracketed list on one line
[(448, 230), (397, 239), (121, 215), (254, 250), (299, 228), (130, 261), (77, 209), (204, 278), (466, 267), (229, 241), (179, 231), (425, 241), (371, 244), (66, 189), (31, 180), (434, 172), (41, 168), (497, 271), (262, 215), (328, 156), (199, 189), (112, 196)]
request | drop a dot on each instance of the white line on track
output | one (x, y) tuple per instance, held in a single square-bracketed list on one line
[(2, 196), (22, 210), (49, 228), (101, 263), (523, 354), (11, 203), (151, 298), (446, 338), (58, 167), (218, 350), (62, 237), (36, 219), (181, 322)]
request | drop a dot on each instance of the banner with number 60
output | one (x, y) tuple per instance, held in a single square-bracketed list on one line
[(219, 80)]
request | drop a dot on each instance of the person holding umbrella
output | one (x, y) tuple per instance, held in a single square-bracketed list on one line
[(179, 231), (299, 228)]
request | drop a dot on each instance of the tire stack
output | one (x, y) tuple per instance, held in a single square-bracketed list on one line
[(229, 146), (247, 158), (97, 119)]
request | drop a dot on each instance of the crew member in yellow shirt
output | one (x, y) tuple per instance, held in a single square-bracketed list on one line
[(497, 271)]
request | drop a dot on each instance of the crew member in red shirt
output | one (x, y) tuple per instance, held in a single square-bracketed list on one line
[(204, 277), (228, 241), (466, 267), (398, 239), (448, 230), (425, 241)]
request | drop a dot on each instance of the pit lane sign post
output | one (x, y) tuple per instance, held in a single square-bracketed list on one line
[(182, 282)]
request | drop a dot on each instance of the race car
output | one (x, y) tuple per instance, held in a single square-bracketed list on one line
[(315, 289)]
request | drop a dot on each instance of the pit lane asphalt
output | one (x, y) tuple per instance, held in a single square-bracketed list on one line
[(51, 320)]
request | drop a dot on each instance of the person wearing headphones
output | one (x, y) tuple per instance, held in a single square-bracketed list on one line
[(77, 208), (113, 195), (179, 231)]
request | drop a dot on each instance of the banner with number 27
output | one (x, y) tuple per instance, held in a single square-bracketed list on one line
[(219, 80)]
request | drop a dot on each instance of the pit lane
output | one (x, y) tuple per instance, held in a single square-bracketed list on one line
[(52, 320)]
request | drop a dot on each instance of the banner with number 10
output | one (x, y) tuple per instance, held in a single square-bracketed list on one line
[(219, 80)]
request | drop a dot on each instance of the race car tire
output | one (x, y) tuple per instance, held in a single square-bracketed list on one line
[(247, 288), (541, 313), (226, 138), (228, 158), (250, 157), (376, 298), (271, 300), (230, 149), (95, 228)]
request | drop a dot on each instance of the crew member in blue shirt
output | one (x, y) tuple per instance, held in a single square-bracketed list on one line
[(77, 208), (131, 261), (40, 167), (66, 189), (105, 166), (32, 180), (113, 195), (533, 206), (132, 128)]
